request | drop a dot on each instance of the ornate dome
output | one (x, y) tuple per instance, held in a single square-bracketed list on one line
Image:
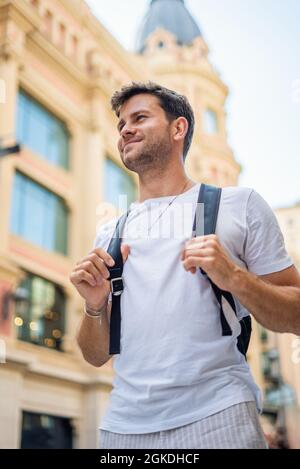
[(171, 15)]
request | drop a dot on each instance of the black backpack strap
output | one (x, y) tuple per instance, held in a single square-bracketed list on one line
[(117, 286), (245, 335), (210, 197)]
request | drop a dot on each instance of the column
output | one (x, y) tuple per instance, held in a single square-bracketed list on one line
[(95, 403), (93, 170), (10, 412), (9, 83)]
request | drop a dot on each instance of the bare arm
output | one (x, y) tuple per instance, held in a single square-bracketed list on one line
[(90, 278), (93, 337), (273, 299)]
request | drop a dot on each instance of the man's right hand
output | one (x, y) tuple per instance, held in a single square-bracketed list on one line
[(90, 276)]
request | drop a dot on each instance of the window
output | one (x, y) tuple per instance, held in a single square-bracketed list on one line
[(118, 183), (263, 334), (210, 122), (89, 61), (62, 36), (41, 318), (281, 395), (42, 132), (74, 47), (46, 432), (48, 22), (35, 3), (38, 215), (271, 365)]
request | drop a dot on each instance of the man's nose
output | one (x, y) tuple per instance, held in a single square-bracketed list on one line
[(127, 131)]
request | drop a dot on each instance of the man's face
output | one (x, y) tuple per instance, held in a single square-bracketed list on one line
[(145, 136)]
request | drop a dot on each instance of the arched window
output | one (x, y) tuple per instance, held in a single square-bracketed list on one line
[(38, 215), (74, 47), (48, 23), (210, 122), (41, 318), (41, 131), (62, 36)]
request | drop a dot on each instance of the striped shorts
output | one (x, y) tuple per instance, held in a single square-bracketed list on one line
[(236, 427)]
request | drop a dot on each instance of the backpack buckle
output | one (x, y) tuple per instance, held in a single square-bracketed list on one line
[(117, 286)]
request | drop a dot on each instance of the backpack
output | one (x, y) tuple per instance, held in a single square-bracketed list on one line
[(209, 198)]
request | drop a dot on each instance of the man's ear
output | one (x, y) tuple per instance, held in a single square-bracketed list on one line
[(180, 128)]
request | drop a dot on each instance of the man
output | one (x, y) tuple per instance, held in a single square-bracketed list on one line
[(178, 382)]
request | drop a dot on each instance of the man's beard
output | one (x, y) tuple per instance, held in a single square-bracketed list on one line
[(153, 156)]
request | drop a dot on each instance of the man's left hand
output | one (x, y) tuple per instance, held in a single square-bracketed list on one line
[(206, 252)]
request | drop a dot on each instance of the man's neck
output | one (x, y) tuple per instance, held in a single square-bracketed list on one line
[(163, 186)]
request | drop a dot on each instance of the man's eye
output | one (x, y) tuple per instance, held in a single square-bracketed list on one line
[(140, 117)]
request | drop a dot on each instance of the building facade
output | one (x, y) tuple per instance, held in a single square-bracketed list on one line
[(58, 69), (288, 345)]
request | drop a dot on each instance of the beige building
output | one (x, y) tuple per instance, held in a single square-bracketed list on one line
[(58, 69), (275, 358), (288, 345), (289, 220)]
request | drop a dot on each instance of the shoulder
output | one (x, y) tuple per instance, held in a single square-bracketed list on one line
[(246, 200), (236, 194), (241, 210), (235, 201)]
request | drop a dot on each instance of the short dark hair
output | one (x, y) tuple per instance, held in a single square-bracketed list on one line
[(174, 104)]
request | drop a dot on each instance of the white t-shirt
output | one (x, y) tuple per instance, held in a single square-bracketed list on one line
[(175, 367)]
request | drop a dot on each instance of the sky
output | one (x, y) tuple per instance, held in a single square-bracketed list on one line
[(255, 47)]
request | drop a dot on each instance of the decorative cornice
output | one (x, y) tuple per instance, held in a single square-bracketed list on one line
[(38, 41), (189, 68), (106, 41), (20, 13), (28, 29), (17, 20), (8, 51)]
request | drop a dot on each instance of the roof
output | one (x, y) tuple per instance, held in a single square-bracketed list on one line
[(171, 15)]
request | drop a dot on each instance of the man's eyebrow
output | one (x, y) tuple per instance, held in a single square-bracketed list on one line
[(139, 111), (121, 121)]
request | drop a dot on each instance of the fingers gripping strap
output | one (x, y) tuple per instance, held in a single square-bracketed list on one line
[(208, 205)]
